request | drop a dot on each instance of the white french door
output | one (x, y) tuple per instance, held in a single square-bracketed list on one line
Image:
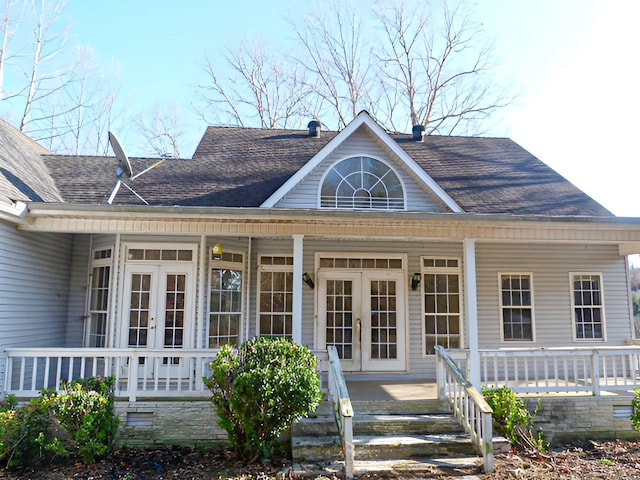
[(362, 313), (158, 310)]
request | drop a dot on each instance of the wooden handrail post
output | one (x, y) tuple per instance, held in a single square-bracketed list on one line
[(349, 454), (133, 376), (440, 376), (595, 373), (487, 441)]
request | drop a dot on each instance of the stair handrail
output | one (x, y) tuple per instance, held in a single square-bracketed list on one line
[(468, 405), (342, 409)]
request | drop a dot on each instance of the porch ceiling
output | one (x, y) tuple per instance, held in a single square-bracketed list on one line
[(260, 222)]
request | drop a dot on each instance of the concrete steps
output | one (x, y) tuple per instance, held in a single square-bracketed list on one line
[(386, 431)]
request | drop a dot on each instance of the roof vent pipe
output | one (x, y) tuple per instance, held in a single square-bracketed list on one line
[(418, 132), (314, 128)]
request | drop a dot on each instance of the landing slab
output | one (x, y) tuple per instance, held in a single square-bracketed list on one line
[(390, 390)]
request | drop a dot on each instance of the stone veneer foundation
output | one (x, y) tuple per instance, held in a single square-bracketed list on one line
[(568, 418), (181, 423)]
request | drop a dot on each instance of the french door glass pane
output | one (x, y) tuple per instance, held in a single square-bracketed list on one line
[(139, 309), (339, 329), (383, 319), (174, 311)]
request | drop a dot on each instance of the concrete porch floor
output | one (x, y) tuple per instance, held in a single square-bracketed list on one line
[(389, 390)]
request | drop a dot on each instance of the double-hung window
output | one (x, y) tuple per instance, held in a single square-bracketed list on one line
[(100, 280), (587, 306), (441, 303), (275, 296), (225, 299), (516, 306)]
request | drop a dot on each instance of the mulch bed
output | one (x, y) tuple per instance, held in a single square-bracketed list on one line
[(619, 460)]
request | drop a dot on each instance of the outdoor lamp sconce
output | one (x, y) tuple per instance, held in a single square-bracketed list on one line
[(415, 281), (307, 279), (216, 251)]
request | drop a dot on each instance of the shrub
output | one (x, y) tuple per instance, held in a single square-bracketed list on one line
[(259, 391), (635, 415), (85, 411), (26, 434), (512, 419)]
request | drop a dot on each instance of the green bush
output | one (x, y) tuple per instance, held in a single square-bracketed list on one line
[(85, 410), (259, 391), (635, 415), (26, 434), (512, 419)]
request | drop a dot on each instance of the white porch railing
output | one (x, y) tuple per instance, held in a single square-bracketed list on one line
[(144, 373), (468, 405), (539, 371), (339, 396), (139, 373)]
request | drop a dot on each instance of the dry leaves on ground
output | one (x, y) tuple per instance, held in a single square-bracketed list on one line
[(619, 460)]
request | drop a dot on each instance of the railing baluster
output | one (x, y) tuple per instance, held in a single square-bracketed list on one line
[(58, 373), (22, 368), (34, 373), (45, 379)]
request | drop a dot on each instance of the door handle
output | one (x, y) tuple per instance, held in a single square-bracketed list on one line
[(359, 327), (152, 324)]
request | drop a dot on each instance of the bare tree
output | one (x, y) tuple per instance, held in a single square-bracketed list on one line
[(162, 131), (259, 88), (337, 61), (427, 67), (76, 118), (433, 68)]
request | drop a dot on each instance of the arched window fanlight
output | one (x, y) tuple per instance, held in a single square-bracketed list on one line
[(362, 183)]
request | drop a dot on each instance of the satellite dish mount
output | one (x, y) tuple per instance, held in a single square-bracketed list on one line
[(124, 169)]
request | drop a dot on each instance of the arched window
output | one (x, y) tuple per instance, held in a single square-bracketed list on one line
[(362, 182)]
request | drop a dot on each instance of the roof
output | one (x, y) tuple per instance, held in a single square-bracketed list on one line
[(23, 175), (242, 167)]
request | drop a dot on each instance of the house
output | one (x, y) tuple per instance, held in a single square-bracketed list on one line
[(385, 246)]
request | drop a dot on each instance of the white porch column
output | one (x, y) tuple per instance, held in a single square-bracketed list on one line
[(471, 309), (297, 287)]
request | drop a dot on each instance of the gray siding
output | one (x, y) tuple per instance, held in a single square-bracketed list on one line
[(78, 290), (550, 266), (34, 280), (361, 143)]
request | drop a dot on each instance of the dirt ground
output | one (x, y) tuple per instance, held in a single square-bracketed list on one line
[(619, 460)]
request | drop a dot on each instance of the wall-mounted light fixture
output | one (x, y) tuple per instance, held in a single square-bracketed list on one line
[(307, 279), (415, 281), (216, 251)]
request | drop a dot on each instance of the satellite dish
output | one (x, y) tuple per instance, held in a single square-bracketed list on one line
[(123, 160), (124, 167)]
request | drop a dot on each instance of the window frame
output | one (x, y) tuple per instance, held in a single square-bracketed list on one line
[(572, 292), (228, 265), (273, 268), (424, 270), (372, 157), (501, 307), (96, 263)]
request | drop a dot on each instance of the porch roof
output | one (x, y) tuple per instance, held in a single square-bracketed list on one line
[(76, 218)]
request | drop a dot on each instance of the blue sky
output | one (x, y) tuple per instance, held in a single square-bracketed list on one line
[(574, 64)]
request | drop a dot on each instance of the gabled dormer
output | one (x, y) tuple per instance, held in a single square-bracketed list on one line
[(362, 168)]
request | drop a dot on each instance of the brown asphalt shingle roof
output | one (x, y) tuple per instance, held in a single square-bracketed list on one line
[(242, 167)]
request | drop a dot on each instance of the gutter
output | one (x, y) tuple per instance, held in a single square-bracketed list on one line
[(237, 213), (14, 213)]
